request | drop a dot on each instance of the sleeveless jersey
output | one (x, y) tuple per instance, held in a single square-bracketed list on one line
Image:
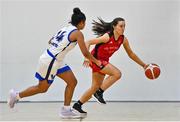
[(60, 44), (104, 51)]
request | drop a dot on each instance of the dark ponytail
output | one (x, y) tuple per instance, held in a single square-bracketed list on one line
[(102, 27), (77, 17)]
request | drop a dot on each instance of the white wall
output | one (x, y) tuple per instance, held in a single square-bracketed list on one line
[(0, 54), (152, 28)]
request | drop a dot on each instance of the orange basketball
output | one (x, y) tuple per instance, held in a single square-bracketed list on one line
[(152, 71)]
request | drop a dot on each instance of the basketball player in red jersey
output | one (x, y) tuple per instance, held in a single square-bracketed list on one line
[(110, 38)]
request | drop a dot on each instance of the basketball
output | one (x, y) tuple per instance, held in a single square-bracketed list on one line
[(152, 71)]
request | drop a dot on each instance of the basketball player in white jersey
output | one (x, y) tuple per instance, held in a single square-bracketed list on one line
[(51, 64)]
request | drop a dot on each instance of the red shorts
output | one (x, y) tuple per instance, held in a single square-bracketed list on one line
[(96, 68)]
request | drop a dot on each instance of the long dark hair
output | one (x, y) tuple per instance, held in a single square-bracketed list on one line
[(77, 17), (101, 27)]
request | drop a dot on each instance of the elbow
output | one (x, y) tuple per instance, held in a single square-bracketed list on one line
[(88, 42)]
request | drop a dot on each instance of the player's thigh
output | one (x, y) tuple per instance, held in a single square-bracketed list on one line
[(68, 77), (110, 69)]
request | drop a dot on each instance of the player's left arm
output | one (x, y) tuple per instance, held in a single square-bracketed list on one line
[(131, 54)]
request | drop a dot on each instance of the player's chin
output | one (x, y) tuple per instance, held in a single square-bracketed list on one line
[(121, 33)]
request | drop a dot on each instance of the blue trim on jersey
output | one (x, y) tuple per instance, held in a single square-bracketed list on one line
[(70, 34), (49, 69), (66, 46), (51, 54), (40, 78), (64, 69), (50, 81)]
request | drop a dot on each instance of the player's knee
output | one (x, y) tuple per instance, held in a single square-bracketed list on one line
[(43, 90), (42, 87), (73, 83), (117, 75)]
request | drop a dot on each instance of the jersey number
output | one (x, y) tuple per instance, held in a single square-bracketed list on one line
[(58, 38), (60, 35)]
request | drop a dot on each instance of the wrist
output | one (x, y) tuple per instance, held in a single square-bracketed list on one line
[(85, 59), (144, 66)]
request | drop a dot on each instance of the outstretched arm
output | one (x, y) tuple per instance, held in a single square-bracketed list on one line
[(84, 50), (101, 39), (131, 54)]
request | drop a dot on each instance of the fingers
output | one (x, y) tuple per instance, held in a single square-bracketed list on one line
[(86, 64), (145, 66)]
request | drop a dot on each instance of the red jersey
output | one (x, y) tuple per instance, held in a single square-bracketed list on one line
[(104, 51)]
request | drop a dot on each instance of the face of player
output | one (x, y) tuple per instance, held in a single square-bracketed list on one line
[(120, 27), (81, 25)]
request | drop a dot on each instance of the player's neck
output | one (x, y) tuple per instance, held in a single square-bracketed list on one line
[(116, 35)]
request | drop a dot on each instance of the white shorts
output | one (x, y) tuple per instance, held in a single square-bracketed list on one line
[(49, 67)]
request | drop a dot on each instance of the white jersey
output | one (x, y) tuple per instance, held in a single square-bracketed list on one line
[(51, 61), (60, 44)]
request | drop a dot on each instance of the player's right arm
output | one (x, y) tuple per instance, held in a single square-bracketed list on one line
[(102, 39), (131, 54), (77, 35)]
